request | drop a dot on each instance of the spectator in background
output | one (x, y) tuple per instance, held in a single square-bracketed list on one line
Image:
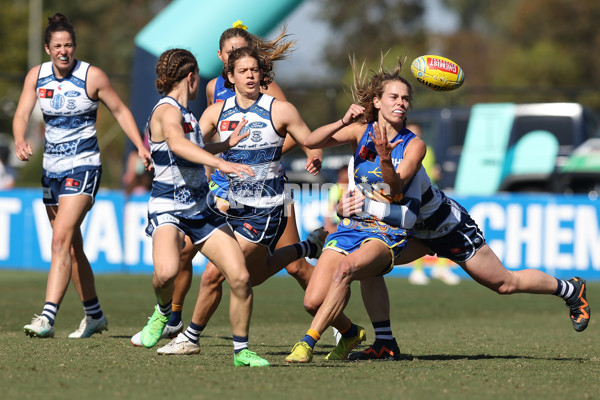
[(441, 267)]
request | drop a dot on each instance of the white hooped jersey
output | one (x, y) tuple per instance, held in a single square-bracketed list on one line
[(179, 187), (70, 118), (261, 150)]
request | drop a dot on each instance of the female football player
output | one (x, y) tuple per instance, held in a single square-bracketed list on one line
[(181, 203), (216, 91), (68, 91), (256, 210)]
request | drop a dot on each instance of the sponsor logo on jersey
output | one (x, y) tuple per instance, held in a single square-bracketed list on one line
[(57, 101), (228, 125), (46, 93), (71, 105), (456, 250), (187, 127), (72, 93), (257, 125), (367, 154)]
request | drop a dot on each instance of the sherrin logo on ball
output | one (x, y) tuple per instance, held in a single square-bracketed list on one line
[(437, 73)]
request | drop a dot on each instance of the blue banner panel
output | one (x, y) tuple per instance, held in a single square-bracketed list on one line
[(555, 234)]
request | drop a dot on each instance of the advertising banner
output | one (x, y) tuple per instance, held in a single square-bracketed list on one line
[(556, 234)]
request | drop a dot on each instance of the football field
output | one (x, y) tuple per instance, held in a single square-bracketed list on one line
[(464, 342)]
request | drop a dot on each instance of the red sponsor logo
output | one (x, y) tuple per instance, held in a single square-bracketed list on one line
[(250, 227), (367, 154), (228, 125), (437, 64), (456, 250), (46, 93), (70, 182), (187, 127)]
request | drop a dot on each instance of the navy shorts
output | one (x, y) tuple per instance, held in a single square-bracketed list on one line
[(347, 239), (258, 225), (460, 244), (78, 183), (197, 229)]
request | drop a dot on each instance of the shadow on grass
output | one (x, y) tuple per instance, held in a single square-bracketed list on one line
[(448, 357)]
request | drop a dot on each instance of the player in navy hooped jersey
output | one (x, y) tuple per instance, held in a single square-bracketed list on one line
[(68, 91), (216, 91)]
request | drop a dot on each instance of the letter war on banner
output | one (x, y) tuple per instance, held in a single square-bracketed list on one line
[(557, 234)]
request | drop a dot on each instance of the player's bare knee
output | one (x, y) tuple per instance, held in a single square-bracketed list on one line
[(163, 277), (311, 305), (240, 285), (60, 245), (212, 277), (345, 273)]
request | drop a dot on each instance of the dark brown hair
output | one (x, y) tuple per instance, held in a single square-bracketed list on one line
[(58, 23), (264, 66), (172, 66), (365, 90)]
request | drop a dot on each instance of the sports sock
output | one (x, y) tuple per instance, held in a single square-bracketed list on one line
[(303, 249), (383, 330), (565, 289), (175, 314), (350, 331), (239, 343), (164, 309), (49, 311), (311, 338), (92, 308), (193, 332)]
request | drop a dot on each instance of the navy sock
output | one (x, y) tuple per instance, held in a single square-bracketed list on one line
[(239, 343), (309, 340), (302, 249), (164, 309), (175, 318), (193, 332), (565, 289), (351, 332), (383, 330), (92, 308), (49, 311)]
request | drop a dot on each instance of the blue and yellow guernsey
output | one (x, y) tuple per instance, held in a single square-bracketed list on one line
[(261, 150), (70, 117), (180, 187), (221, 92), (367, 175)]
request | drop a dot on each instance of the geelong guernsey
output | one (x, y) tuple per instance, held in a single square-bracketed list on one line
[(70, 118), (180, 187), (261, 150)]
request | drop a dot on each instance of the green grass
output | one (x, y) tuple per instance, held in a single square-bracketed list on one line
[(467, 342)]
